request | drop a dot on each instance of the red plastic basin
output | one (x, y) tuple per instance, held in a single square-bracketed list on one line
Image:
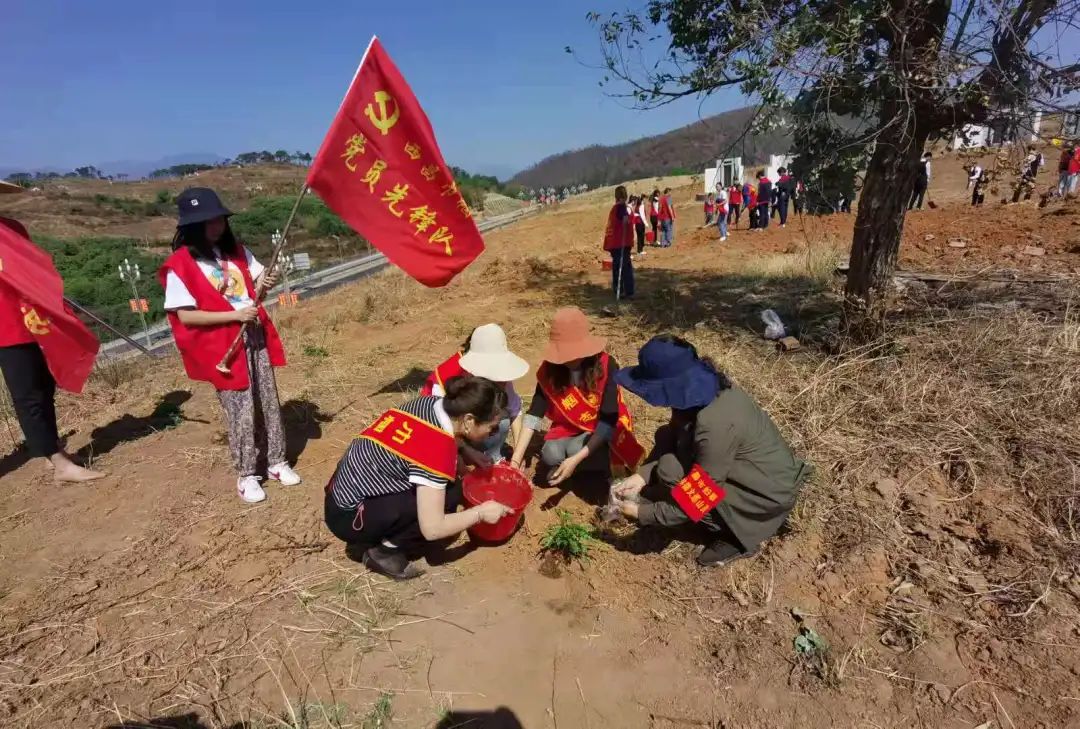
[(502, 483)]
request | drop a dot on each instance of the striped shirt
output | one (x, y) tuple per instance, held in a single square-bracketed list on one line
[(368, 470)]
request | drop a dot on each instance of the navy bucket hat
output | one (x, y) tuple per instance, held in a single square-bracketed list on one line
[(670, 375), (199, 204)]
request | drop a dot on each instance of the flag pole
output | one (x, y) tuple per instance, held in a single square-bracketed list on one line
[(106, 324), (260, 290)]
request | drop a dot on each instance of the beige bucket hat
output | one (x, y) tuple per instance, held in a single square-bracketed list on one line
[(490, 357)]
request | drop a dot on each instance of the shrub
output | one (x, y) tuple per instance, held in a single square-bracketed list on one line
[(268, 214), (89, 269), (328, 224), (569, 538)]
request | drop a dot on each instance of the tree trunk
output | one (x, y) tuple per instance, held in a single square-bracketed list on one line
[(909, 117), (889, 183)]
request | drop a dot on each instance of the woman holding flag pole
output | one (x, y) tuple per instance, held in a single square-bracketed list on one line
[(212, 288), (42, 346)]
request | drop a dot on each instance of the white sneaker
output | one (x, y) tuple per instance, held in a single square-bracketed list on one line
[(249, 489), (284, 474), (723, 239)]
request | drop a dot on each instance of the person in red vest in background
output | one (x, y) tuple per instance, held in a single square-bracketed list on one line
[(764, 198), (735, 203), (484, 354), (27, 374), (667, 219), (619, 242), (1074, 171), (210, 283), (721, 211)]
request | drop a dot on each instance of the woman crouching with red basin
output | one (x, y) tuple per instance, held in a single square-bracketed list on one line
[(394, 489)]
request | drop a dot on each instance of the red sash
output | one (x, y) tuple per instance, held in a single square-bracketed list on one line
[(572, 411), (448, 370), (417, 441), (698, 493)]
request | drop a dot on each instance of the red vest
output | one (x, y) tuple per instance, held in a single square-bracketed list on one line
[(735, 195), (201, 348), (449, 369), (618, 233), (12, 327), (666, 211)]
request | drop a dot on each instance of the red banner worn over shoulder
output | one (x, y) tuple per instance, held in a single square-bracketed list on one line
[(381, 170), (28, 275), (583, 411), (698, 494), (415, 440)]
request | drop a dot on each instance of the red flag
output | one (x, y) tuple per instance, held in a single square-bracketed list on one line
[(28, 274), (381, 170)]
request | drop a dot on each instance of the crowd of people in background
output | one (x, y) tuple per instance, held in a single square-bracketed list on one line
[(765, 201), (980, 179), (1068, 169)]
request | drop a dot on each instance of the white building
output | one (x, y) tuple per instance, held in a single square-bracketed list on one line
[(731, 170)]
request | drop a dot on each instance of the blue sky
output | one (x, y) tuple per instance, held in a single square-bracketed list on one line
[(89, 82)]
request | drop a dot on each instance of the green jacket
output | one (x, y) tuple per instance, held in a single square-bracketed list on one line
[(738, 444)]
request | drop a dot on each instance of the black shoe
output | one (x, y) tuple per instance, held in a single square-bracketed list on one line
[(721, 553), (390, 562)]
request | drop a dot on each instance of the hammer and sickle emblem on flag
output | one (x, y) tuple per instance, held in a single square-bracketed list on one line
[(34, 322), (383, 121)]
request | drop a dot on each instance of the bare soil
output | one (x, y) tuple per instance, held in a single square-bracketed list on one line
[(935, 552)]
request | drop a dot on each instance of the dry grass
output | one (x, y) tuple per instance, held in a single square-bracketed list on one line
[(816, 262), (975, 413)]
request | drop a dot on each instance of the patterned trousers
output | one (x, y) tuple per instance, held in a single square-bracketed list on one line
[(254, 414)]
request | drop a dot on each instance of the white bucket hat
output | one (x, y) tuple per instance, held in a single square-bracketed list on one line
[(490, 358)]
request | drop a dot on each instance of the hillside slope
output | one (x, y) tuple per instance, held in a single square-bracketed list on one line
[(935, 551), (688, 147)]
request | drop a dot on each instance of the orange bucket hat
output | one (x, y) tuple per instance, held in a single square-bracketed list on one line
[(570, 337)]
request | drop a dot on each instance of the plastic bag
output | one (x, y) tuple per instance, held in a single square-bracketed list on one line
[(612, 511), (774, 327)]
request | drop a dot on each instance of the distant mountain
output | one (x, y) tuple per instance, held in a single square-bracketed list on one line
[(134, 169), (692, 147), (142, 168)]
